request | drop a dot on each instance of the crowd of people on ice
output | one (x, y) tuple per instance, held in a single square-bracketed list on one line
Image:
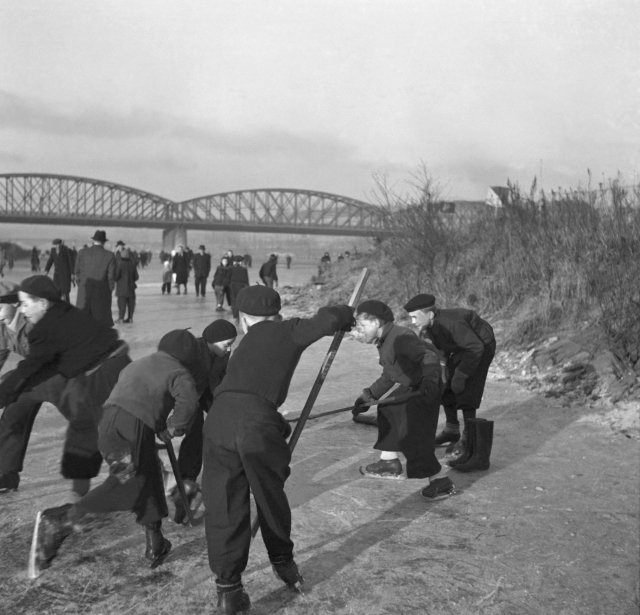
[(221, 400)]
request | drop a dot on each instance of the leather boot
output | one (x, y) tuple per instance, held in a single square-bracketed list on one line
[(449, 435), (466, 444), (479, 460), (232, 598), (158, 546)]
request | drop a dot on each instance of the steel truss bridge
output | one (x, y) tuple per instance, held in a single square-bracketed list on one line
[(62, 199)]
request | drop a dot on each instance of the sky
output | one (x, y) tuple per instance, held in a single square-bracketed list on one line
[(195, 97)]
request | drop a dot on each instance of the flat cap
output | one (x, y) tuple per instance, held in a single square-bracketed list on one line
[(420, 302), (219, 331), (376, 308), (258, 301), (8, 292), (40, 286)]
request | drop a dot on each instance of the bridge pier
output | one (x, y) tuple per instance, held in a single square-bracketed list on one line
[(174, 237)]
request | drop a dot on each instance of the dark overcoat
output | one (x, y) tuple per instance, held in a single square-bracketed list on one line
[(61, 259), (95, 275), (468, 345)]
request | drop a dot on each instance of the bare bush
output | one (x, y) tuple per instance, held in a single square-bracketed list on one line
[(544, 260)]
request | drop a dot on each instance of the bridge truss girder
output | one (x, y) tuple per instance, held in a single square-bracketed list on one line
[(61, 199)]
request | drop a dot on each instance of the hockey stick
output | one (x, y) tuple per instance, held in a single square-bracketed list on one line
[(320, 378), (176, 473), (379, 402)]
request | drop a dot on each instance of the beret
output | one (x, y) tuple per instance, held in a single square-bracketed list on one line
[(218, 331), (420, 302), (8, 292), (376, 308), (40, 286), (258, 301), (56, 242)]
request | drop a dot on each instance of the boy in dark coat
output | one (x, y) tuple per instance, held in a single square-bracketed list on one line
[(73, 362), (245, 446), (469, 345), (409, 424), (238, 279), (136, 411)]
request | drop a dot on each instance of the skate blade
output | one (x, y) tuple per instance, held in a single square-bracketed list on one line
[(33, 571), (387, 477), (297, 587)]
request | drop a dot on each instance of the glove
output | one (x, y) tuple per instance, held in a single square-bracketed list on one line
[(344, 313), (458, 382), (360, 404), (286, 428)]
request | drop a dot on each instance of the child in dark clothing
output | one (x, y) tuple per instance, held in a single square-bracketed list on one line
[(245, 446), (137, 409)]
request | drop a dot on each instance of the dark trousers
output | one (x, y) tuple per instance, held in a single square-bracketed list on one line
[(190, 455), (222, 292), (126, 305), (16, 424), (135, 479), (410, 428), (244, 449), (201, 285), (166, 288), (235, 288), (80, 401)]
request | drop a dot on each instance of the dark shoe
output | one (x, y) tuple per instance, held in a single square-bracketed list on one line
[(192, 490), (219, 309), (158, 546), (289, 573), (438, 489), (119, 321), (447, 436), (232, 599), (9, 482), (391, 468), (53, 525), (482, 443)]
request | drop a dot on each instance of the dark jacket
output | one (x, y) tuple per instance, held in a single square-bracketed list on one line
[(151, 387), (201, 265), (222, 275), (66, 341), (468, 345), (406, 360), (268, 270), (265, 360), (95, 266), (126, 276), (180, 266)]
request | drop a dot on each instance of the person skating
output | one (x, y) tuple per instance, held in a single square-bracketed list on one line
[(201, 270), (126, 278), (238, 279), (214, 348), (61, 259), (220, 283), (245, 446), (73, 362), (407, 425), (468, 344), (137, 410), (269, 272), (17, 418)]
